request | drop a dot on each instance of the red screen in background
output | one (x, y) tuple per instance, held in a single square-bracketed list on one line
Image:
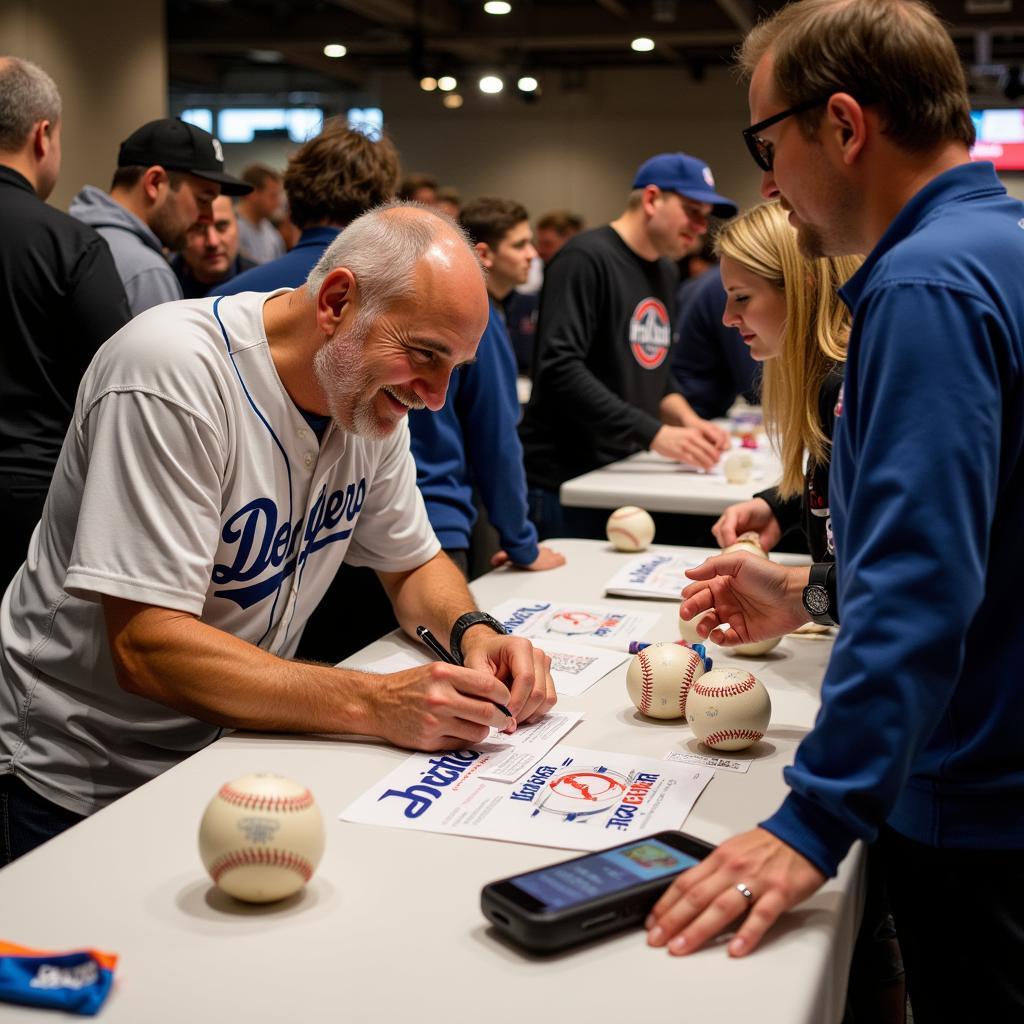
[(1000, 138)]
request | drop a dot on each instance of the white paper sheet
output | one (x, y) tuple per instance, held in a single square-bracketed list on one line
[(515, 755), (654, 574), (600, 625), (574, 799), (574, 667), (726, 764)]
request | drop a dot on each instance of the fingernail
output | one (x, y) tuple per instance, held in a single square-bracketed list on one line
[(649, 923), (655, 936), (737, 947), (678, 944)]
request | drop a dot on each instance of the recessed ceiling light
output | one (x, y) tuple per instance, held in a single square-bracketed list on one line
[(335, 50), (527, 83), (497, 7), (452, 101), (491, 84), (642, 44), (446, 83), (428, 84)]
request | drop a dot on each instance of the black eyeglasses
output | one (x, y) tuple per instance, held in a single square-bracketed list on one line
[(762, 150)]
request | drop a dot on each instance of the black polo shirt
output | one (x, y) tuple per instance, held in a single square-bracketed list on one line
[(60, 299)]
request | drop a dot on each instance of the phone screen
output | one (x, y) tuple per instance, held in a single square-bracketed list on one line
[(600, 874)]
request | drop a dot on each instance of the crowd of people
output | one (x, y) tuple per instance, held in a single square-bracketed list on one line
[(332, 406)]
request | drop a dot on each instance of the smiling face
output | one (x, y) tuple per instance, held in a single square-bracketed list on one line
[(374, 370), (755, 307), (676, 224), (822, 205)]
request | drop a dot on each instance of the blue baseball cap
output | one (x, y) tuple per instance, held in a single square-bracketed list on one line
[(690, 177)]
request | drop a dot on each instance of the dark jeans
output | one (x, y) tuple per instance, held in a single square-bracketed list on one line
[(960, 920), (27, 820)]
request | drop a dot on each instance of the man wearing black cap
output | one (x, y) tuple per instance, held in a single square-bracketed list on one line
[(601, 383), (168, 175)]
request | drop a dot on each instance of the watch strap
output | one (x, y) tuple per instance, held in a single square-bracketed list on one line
[(463, 622), (819, 596)]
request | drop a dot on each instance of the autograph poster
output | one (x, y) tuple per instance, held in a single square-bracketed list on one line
[(572, 798)]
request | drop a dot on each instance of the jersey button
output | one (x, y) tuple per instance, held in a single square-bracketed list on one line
[(303, 432), (308, 460)]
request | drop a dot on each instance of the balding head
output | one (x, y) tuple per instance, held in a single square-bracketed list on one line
[(400, 296)]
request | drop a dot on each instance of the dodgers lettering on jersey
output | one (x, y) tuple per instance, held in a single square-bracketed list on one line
[(649, 333), (260, 544)]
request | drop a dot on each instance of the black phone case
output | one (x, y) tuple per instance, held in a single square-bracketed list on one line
[(541, 932)]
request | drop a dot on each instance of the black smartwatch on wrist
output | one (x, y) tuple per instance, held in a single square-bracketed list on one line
[(819, 596), (463, 622)]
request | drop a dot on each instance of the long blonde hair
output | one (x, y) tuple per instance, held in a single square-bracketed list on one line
[(814, 335)]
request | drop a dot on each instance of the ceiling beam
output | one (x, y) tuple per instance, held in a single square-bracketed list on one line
[(436, 16), (740, 12)]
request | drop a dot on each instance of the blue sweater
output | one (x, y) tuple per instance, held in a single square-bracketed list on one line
[(288, 271), (473, 441), (922, 716)]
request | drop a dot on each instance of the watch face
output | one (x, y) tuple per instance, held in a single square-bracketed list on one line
[(816, 599)]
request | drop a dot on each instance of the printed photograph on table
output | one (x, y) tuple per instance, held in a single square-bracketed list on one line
[(579, 623)]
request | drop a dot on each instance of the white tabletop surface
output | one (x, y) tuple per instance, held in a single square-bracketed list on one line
[(389, 929), (661, 485)]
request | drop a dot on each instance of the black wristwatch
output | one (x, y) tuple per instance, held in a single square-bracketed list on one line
[(819, 596), (463, 622)]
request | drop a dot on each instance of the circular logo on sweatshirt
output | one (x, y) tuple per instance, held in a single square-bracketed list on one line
[(649, 333)]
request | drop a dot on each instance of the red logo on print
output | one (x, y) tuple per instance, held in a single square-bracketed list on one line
[(649, 333)]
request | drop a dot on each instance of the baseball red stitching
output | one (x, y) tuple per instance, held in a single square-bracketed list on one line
[(732, 734), (648, 683), (625, 532), (257, 802), (687, 682), (272, 858), (725, 691)]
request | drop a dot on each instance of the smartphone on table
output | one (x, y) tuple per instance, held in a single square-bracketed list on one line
[(599, 893)]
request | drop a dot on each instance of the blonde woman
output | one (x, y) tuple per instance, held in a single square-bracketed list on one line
[(786, 307)]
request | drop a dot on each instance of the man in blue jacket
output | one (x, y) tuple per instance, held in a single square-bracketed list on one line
[(919, 737), (472, 441)]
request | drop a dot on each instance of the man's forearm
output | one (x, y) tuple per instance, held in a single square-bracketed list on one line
[(433, 595), (199, 670)]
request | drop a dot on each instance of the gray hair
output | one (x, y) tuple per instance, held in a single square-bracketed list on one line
[(382, 251), (28, 95)]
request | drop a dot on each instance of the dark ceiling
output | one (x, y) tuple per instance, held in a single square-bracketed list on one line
[(274, 46)]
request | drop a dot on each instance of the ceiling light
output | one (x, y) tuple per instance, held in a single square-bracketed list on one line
[(497, 7), (446, 83), (527, 83), (335, 50), (452, 101), (642, 44), (428, 84), (491, 84)]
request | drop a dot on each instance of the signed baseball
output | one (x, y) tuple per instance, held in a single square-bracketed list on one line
[(659, 678), (755, 650), (728, 709), (261, 837), (749, 541), (630, 528), (738, 467)]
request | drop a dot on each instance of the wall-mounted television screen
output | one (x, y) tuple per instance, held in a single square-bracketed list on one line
[(1000, 137)]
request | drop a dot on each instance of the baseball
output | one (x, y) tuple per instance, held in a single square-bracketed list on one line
[(630, 528), (659, 678), (688, 629), (261, 837), (749, 541), (755, 650), (728, 709), (738, 467)]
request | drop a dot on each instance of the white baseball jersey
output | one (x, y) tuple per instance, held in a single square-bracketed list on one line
[(188, 480)]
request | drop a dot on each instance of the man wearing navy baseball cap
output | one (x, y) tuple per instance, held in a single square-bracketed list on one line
[(168, 175), (602, 389)]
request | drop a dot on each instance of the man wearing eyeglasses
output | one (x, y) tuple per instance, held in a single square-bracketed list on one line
[(602, 387), (863, 130)]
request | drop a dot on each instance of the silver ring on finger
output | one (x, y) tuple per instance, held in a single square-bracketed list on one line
[(744, 891)]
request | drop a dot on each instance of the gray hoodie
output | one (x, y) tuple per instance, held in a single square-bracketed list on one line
[(138, 254)]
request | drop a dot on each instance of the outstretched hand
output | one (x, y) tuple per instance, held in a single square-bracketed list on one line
[(747, 598)]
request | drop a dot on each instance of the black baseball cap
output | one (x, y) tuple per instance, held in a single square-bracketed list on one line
[(178, 146)]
